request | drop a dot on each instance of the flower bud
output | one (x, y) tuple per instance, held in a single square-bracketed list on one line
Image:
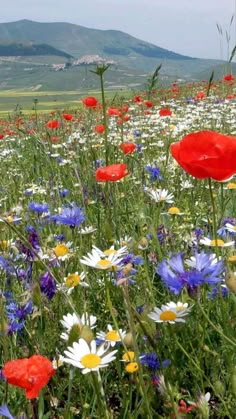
[(86, 334), (230, 281), (128, 339)]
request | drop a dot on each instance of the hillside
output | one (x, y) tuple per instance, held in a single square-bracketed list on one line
[(78, 40), (22, 49), (39, 56)]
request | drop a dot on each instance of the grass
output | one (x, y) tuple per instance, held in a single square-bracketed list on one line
[(152, 221)]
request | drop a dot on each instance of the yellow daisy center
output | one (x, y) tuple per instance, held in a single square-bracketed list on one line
[(173, 210), (167, 316), (131, 367), (112, 335), (128, 356), (72, 280), (91, 361), (232, 258), (109, 252), (61, 250), (104, 264), (231, 185), (10, 219), (217, 242)]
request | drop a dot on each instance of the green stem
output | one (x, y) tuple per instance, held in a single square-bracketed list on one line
[(213, 216), (102, 406), (143, 390)]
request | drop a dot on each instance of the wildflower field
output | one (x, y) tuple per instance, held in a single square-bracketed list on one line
[(118, 256)]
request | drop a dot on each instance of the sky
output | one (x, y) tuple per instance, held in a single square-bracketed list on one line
[(184, 26)]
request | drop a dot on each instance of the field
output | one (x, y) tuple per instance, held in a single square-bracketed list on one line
[(118, 252)]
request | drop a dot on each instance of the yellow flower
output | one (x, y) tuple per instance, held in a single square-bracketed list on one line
[(61, 250), (131, 367), (173, 210), (128, 356)]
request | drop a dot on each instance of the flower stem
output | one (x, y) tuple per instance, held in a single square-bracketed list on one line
[(97, 383), (213, 217)]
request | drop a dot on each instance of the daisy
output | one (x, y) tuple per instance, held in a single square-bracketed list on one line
[(160, 195), (71, 320), (213, 243), (72, 281), (173, 211), (230, 228), (112, 251), (88, 357), (99, 260), (87, 230), (179, 306), (112, 336), (63, 251), (167, 314)]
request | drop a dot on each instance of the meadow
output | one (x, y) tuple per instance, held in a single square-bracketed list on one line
[(118, 254)]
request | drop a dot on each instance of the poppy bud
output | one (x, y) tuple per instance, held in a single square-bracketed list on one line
[(86, 334), (219, 387), (128, 339), (230, 281), (74, 335)]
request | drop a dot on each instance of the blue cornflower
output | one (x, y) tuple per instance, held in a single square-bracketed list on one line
[(155, 173), (16, 315), (64, 192), (150, 360), (204, 269), (5, 265), (162, 233), (131, 258), (4, 411), (59, 237), (221, 290), (38, 207), (47, 285), (71, 215)]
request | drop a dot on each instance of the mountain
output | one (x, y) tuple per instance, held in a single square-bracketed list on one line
[(51, 66), (78, 40)]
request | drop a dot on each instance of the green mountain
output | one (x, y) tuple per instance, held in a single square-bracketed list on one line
[(78, 40), (58, 56)]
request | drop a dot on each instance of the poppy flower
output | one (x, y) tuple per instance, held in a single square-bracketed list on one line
[(111, 111), (228, 77), (90, 102), (31, 374), (127, 148), (53, 124), (111, 173), (206, 154), (200, 95), (67, 116), (148, 104), (99, 129), (1, 136), (165, 112)]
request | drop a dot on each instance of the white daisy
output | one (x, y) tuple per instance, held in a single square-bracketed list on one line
[(87, 230), (179, 306), (58, 361), (213, 243), (71, 281), (160, 195), (100, 260), (112, 336), (168, 314), (70, 320), (112, 251), (88, 357), (231, 228)]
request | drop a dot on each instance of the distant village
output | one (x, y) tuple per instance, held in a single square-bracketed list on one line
[(84, 60)]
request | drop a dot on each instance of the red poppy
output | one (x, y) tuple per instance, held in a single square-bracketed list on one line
[(90, 102), (228, 77), (111, 111), (124, 108), (1, 136), (111, 173), (99, 129), (137, 99), (200, 95), (53, 124), (32, 374), (165, 112), (206, 154), (127, 148), (148, 104), (67, 116)]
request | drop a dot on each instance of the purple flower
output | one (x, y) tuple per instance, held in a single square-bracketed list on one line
[(150, 360), (64, 192), (204, 269), (38, 207), (47, 285), (71, 215), (155, 173)]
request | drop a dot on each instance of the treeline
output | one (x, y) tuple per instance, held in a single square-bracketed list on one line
[(17, 49)]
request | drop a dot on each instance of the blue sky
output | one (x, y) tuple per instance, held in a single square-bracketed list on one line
[(183, 26)]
